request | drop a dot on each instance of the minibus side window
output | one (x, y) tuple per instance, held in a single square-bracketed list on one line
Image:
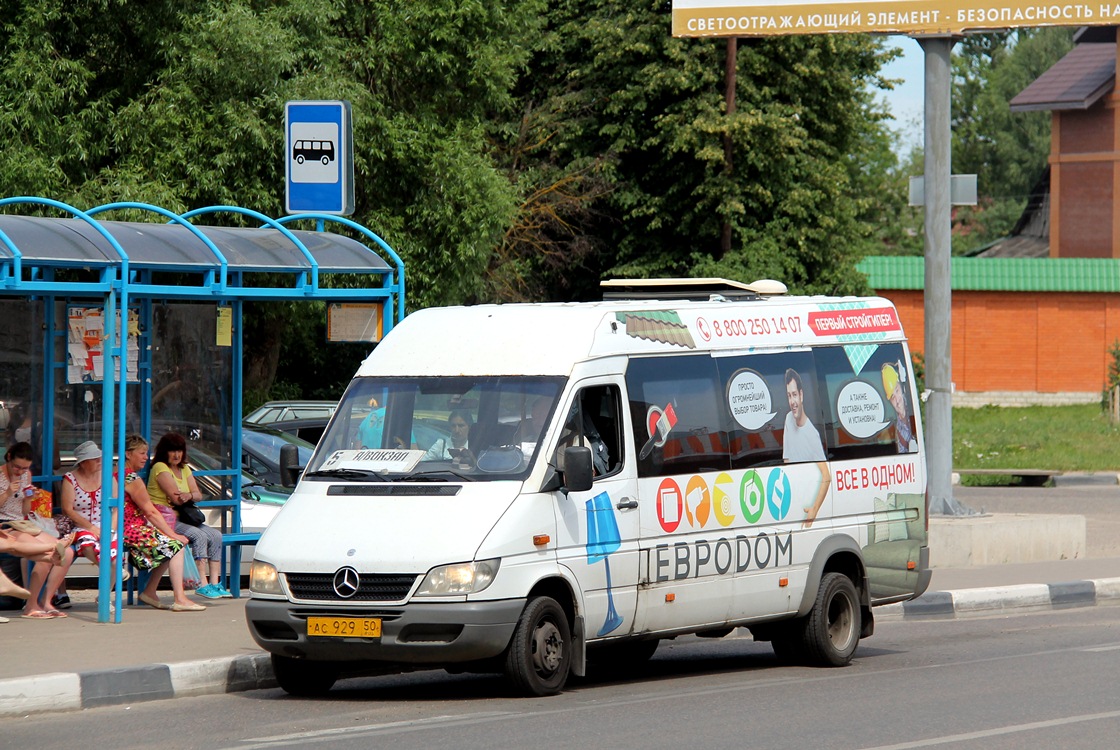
[(677, 415), (595, 420), (763, 395), (870, 400)]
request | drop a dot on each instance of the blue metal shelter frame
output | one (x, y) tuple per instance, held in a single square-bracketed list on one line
[(123, 266)]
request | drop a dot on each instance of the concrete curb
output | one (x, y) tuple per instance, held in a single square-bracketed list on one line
[(20, 696), (987, 601)]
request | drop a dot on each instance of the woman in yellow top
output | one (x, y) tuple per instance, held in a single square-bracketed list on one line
[(170, 485)]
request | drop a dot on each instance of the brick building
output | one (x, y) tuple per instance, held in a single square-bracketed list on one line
[(1025, 330), (1034, 315)]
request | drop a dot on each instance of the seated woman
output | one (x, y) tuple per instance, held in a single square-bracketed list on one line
[(171, 485), (46, 573), (151, 543), (40, 548), (80, 499), (457, 446)]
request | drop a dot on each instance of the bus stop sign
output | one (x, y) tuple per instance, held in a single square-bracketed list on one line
[(318, 158)]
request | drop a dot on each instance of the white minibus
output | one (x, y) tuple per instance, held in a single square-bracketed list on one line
[(538, 489)]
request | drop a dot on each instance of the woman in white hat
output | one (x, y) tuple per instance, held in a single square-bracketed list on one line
[(80, 499)]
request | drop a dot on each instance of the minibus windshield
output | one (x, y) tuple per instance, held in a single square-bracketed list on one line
[(436, 429)]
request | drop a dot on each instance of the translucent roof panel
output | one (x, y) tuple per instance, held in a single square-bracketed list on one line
[(74, 242)]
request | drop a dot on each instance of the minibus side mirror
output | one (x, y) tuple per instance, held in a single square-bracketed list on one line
[(289, 465), (577, 469)]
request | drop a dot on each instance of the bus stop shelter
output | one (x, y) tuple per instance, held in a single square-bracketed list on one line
[(114, 327)]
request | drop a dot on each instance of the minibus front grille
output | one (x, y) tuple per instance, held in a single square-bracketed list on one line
[(372, 587), (397, 490)]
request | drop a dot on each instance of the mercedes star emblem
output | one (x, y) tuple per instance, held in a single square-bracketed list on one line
[(346, 582)]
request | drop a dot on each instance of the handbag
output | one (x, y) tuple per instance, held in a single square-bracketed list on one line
[(190, 514)]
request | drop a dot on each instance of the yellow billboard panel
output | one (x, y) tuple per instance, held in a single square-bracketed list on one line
[(778, 18)]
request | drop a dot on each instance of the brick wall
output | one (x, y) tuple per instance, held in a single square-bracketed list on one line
[(1043, 342)]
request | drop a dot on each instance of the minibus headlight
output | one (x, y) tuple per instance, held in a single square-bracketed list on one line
[(264, 579), (461, 578)]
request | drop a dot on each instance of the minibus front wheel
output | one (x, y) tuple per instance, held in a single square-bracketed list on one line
[(539, 656), (303, 678)]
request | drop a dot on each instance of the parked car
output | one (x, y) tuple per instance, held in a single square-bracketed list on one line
[(260, 446), (283, 411), (308, 428), (260, 451), (260, 501)]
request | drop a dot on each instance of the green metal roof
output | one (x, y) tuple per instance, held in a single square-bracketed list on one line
[(998, 274)]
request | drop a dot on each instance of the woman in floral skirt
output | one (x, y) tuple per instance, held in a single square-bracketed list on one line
[(152, 544)]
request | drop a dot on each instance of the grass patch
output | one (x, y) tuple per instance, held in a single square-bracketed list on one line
[(1003, 480), (1057, 438)]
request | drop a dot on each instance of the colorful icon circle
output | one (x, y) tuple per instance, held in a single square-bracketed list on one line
[(698, 502), (778, 494), (670, 505), (752, 496), (722, 506)]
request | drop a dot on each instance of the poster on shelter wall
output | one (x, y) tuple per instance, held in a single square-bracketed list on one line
[(85, 360)]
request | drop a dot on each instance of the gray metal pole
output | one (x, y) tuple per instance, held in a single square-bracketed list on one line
[(938, 288)]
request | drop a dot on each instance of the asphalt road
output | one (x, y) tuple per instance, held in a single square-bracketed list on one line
[(1046, 679)]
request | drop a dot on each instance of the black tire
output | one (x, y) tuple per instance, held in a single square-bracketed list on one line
[(299, 159), (539, 656), (622, 656), (832, 627), (303, 678), (326, 161), (787, 645)]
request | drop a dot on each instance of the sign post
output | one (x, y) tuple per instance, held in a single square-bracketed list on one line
[(318, 158)]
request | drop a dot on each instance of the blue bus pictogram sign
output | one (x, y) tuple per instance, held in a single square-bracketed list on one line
[(318, 157)]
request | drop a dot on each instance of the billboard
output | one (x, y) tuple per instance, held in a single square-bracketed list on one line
[(693, 18)]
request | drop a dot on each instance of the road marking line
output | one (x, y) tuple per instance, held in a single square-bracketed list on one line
[(328, 734), (951, 738), (1115, 647)]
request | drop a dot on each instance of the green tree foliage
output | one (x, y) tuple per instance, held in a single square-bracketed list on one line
[(180, 104), (506, 150), (1006, 150), (620, 107)]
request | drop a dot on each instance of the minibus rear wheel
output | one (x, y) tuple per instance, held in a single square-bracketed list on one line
[(301, 677), (539, 655), (787, 646), (833, 625)]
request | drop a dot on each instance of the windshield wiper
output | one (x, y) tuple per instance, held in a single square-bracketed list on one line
[(353, 474), (434, 475)]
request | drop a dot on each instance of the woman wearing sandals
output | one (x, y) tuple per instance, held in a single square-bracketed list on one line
[(46, 576), (34, 546), (151, 543), (80, 499), (171, 485)]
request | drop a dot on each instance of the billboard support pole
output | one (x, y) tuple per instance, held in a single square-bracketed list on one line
[(938, 284)]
